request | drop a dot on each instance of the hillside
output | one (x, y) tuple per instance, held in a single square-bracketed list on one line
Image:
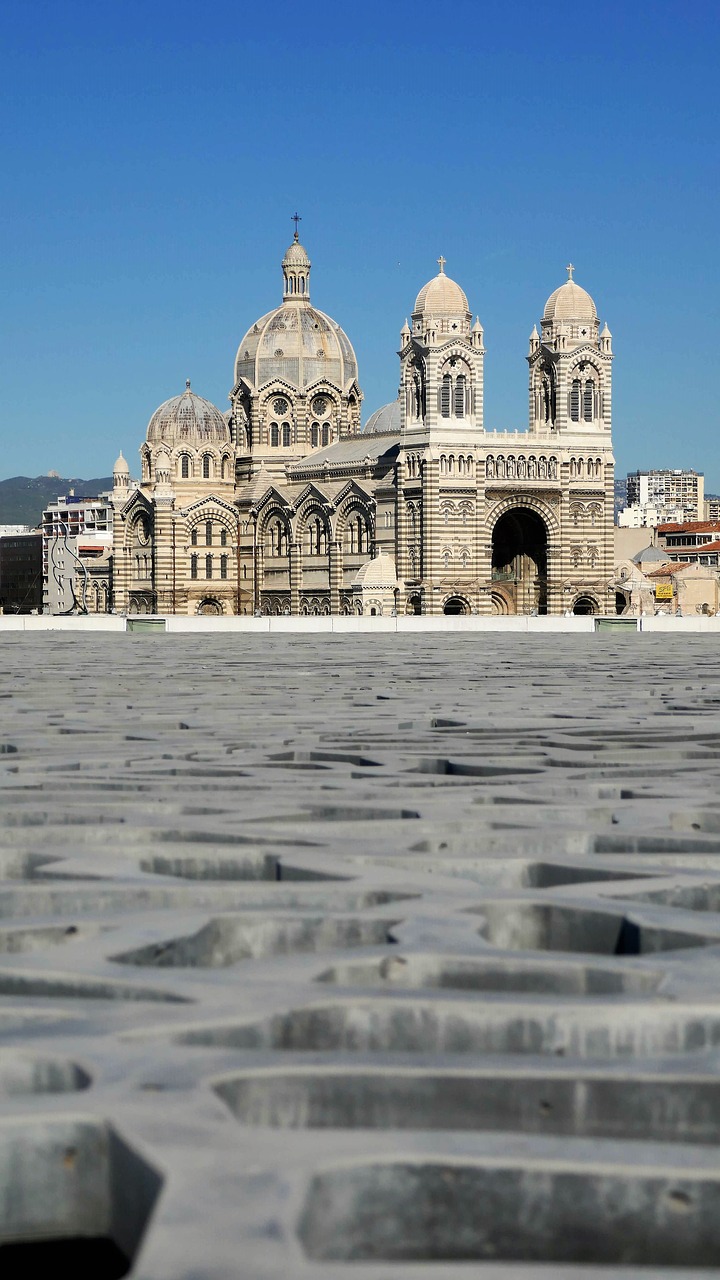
[(23, 498)]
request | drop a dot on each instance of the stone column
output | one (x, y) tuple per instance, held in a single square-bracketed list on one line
[(336, 575), (162, 553), (431, 568), (295, 577)]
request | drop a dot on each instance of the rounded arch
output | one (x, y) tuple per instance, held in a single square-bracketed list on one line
[(220, 520), (313, 530), (273, 515), (456, 604), (413, 605), (139, 529), (499, 604), (275, 534), (586, 603), (522, 500), (520, 556), (210, 607), (355, 527)]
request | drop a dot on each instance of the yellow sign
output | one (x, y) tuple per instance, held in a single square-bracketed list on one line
[(663, 591)]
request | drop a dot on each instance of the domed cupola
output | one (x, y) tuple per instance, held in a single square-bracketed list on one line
[(296, 273), (296, 343), (570, 317), (441, 308), (187, 419)]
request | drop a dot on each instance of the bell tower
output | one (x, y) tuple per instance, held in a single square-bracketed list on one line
[(570, 366)]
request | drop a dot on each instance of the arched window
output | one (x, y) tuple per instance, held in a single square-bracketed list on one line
[(589, 401), (193, 536), (208, 566), (224, 469), (223, 566), (573, 468), (575, 400), (276, 539), (206, 466), (193, 566), (223, 537), (286, 435), (325, 434), (316, 537), (451, 464), (315, 435), (590, 469), (185, 467), (356, 535), (460, 396), (208, 533), (445, 395), (274, 435)]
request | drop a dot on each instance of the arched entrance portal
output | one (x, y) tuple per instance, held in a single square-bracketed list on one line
[(519, 559), (210, 608), (585, 604), (456, 604)]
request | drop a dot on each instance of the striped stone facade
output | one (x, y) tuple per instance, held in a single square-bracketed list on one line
[(284, 506)]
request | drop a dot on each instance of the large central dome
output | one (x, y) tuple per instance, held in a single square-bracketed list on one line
[(296, 343)]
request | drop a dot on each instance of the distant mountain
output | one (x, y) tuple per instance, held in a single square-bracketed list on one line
[(23, 499)]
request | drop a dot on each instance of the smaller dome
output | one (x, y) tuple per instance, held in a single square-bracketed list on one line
[(384, 420), (379, 572), (187, 419), (650, 555), (570, 302), (441, 296), (296, 255), (121, 467)]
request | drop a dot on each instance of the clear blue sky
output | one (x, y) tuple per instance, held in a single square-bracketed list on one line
[(152, 153)]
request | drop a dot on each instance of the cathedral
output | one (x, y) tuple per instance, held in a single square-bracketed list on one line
[(286, 505)]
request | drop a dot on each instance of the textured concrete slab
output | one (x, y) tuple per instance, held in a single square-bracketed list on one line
[(387, 957)]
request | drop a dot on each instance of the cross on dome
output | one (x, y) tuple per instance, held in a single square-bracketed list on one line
[(570, 268), (295, 217), (441, 263)]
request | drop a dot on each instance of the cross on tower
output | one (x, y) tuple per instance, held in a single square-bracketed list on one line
[(441, 263), (295, 217), (570, 268)]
